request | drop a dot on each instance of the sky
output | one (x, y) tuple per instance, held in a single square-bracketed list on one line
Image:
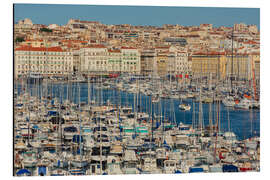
[(136, 15)]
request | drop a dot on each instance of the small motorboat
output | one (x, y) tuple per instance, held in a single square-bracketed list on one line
[(184, 107)]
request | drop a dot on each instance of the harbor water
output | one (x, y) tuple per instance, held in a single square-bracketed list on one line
[(244, 123)]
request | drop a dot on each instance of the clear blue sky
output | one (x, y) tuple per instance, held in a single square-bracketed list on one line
[(136, 15)]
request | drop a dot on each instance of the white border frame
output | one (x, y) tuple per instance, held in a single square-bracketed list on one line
[(7, 66)]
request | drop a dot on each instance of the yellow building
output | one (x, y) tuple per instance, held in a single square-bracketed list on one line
[(205, 63), (224, 65), (162, 63), (33, 43), (255, 59), (238, 66)]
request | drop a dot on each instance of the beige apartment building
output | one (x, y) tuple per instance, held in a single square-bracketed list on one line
[(162, 63), (148, 60), (100, 59), (204, 64), (255, 58), (94, 59), (224, 65), (182, 65), (131, 60), (114, 61), (239, 66), (53, 61)]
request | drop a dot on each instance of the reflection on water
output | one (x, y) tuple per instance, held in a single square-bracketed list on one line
[(244, 123)]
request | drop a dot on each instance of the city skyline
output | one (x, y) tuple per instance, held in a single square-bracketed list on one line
[(106, 90), (159, 15)]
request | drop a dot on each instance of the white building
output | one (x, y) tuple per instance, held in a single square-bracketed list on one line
[(53, 26), (181, 63), (131, 60), (52, 61), (253, 29), (241, 27), (94, 58), (114, 61), (26, 22)]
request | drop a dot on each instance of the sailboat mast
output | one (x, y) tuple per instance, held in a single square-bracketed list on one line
[(193, 116), (210, 118), (100, 144), (232, 62), (80, 120), (201, 112), (89, 91), (217, 121)]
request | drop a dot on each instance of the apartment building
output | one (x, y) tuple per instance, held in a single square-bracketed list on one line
[(52, 61), (131, 60), (182, 66), (148, 60), (204, 64), (93, 58), (114, 60), (239, 66)]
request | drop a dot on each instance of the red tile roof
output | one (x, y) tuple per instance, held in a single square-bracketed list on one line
[(30, 48), (205, 24), (250, 42), (88, 22), (209, 53), (33, 40), (74, 41), (95, 46), (162, 47), (127, 47), (114, 50)]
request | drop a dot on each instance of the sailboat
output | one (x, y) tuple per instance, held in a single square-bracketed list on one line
[(228, 101), (79, 161), (155, 98), (184, 106)]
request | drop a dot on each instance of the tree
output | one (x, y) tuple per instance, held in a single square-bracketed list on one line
[(45, 30), (19, 39)]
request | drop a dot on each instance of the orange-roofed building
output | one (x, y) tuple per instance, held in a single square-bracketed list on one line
[(52, 61), (33, 43)]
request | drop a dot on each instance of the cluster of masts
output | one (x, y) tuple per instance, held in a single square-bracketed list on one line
[(54, 136)]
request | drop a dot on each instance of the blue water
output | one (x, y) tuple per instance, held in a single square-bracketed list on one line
[(244, 123)]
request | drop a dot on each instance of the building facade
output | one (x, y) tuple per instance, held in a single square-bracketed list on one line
[(162, 63), (94, 59), (114, 61), (204, 64), (131, 60), (182, 65), (238, 66), (53, 61), (148, 60)]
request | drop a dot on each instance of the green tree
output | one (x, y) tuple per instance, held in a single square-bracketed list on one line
[(45, 30), (19, 39)]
